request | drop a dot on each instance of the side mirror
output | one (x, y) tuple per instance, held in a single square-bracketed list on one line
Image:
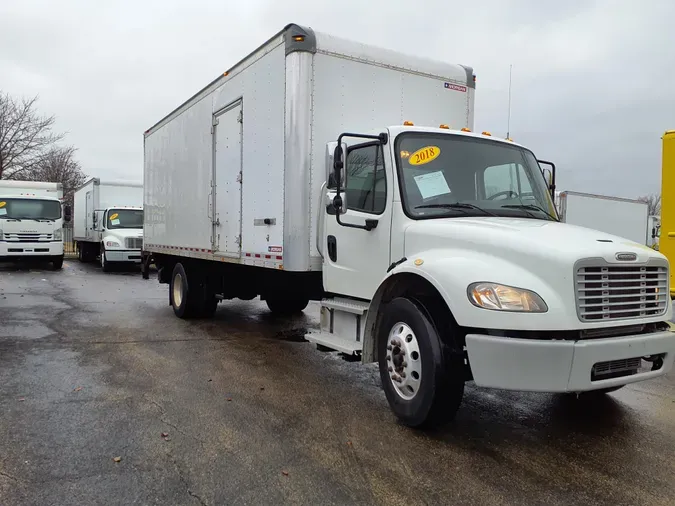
[(653, 232), (335, 171), (67, 213), (550, 178), (93, 219)]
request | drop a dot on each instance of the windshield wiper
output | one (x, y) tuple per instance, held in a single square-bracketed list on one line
[(530, 207), (39, 220), (461, 206)]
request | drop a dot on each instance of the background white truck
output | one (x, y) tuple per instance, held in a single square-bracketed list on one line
[(108, 222), (618, 216), (433, 250), (31, 221)]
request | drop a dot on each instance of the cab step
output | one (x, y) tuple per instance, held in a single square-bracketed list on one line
[(342, 325)]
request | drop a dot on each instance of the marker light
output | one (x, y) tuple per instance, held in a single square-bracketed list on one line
[(444, 126), (466, 129), (405, 154), (408, 123), (225, 74), (487, 133), (298, 38)]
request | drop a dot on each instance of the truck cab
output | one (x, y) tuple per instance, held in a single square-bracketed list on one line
[(444, 260), (31, 222), (121, 231)]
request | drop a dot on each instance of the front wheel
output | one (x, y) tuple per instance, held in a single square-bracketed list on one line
[(287, 307), (422, 386), (57, 263), (105, 265)]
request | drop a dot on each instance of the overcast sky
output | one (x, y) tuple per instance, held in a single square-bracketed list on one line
[(593, 81)]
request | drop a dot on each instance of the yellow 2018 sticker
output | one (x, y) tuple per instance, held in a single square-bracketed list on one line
[(115, 215), (424, 155), (3, 204)]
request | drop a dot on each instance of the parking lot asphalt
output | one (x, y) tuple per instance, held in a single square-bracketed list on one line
[(107, 398)]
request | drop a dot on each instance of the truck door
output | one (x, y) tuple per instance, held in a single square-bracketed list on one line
[(227, 180), (355, 260)]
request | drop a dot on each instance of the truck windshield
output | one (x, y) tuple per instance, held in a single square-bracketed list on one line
[(451, 175), (29, 209), (125, 218)]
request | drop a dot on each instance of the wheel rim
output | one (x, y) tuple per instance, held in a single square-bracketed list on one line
[(177, 290), (404, 363)]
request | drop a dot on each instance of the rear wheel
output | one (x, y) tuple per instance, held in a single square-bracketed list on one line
[(422, 387), (287, 307), (190, 297)]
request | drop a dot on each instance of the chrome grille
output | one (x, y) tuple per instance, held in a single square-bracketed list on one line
[(134, 242), (617, 292), (18, 237)]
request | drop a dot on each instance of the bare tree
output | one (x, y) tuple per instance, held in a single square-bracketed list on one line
[(24, 136), (653, 201), (58, 165)]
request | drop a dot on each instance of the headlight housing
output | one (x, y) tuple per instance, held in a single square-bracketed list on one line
[(112, 244), (58, 234), (505, 298)]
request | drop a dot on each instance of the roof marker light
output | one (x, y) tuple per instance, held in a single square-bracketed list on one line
[(487, 133), (408, 123), (444, 126), (298, 38), (466, 129)]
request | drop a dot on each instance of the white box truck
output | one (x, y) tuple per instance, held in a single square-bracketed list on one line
[(297, 175), (618, 216), (108, 222), (31, 221)]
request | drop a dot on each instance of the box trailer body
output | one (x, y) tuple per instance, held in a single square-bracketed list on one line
[(667, 231), (299, 175), (617, 216), (108, 221), (251, 146), (31, 221)]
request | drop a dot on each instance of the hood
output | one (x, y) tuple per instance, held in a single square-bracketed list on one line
[(522, 238), (123, 233)]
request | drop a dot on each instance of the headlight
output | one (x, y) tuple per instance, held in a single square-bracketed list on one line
[(58, 234), (112, 244), (505, 298)]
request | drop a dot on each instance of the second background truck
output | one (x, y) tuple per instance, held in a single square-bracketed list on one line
[(108, 222)]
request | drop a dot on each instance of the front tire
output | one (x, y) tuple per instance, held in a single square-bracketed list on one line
[(287, 307), (105, 265), (57, 263), (422, 387)]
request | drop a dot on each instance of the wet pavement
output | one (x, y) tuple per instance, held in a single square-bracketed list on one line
[(95, 367)]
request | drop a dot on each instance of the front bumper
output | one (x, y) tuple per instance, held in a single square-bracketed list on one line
[(16, 250), (561, 366), (120, 255)]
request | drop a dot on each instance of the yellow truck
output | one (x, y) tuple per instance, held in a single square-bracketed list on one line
[(667, 240)]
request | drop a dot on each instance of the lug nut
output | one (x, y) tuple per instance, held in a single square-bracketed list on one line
[(402, 375), (390, 369), (404, 364), (393, 342), (388, 358), (389, 347)]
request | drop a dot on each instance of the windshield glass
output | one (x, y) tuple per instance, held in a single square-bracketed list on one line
[(451, 175), (125, 218), (29, 209)]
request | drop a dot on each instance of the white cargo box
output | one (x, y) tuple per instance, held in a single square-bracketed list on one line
[(31, 188), (234, 173), (96, 195), (613, 215)]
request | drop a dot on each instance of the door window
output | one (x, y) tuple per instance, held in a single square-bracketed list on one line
[(510, 180), (366, 187)]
